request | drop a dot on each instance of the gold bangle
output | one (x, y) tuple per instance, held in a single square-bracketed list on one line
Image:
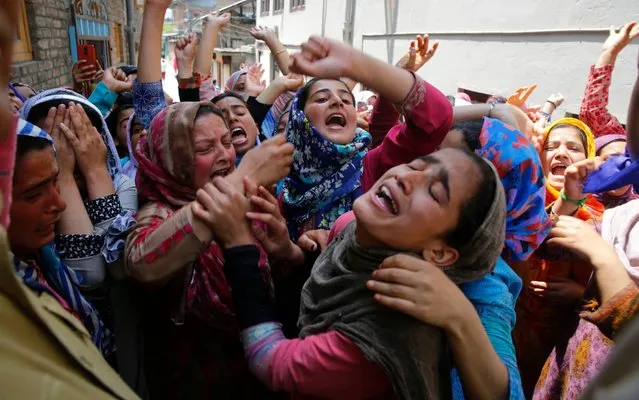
[(280, 52)]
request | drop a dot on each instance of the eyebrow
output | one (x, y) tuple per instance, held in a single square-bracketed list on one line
[(442, 173), (40, 184)]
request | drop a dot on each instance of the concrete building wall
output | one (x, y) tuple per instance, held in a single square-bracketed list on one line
[(51, 65), (491, 47), (117, 15)]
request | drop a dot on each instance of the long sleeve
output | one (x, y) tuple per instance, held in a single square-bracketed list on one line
[(327, 365), (383, 118), (103, 98), (258, 110), (613, 315), (189, 88), (163, 242), (428, 115), (594, 105), (148, 100)]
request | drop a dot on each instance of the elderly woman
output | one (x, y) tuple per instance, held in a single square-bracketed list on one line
[(554, 279)]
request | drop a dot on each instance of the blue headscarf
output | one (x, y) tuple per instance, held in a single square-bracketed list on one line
[(325, 177), (58, 279), (521, 174), (116, 233)]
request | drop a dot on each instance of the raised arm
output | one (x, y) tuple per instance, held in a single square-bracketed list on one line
[(204, 59), (594, 106), (188, 82), (279, 52), (633, 120)]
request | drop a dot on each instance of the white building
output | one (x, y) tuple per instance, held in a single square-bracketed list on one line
[(490, 47)]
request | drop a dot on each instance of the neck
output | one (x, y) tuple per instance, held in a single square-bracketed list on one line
[(364, 238)]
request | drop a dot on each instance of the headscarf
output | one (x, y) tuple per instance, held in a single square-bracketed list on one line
[(116, 233), (16, 92), (519, 168), (165, 175), (605, 198), (130, 168), (592, 208), (233, 79), (325, 177), (336, 298), (58, 279), (279, 107)]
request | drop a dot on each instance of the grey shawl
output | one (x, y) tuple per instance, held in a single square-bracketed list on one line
[(411, 353)]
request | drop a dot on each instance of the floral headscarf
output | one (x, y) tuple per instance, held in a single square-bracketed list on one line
[(279, 107), (519, 168), (325, 177), (58, 279)]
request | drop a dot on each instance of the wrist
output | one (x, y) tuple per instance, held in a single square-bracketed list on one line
[(458, 325), (241, 239), (96, 174)]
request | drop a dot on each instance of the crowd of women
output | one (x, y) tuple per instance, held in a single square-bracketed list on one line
[(297, 240)]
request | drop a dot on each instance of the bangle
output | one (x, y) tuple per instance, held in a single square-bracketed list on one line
[(490, 111), (579, 203), (279, 52), (553, 103)]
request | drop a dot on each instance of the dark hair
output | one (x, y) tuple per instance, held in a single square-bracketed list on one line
[(114, 116), (474, 210), (225, 95), (27, 144), (471, 131), (41, 110), (306, 91), (582, 134), (210, 109)]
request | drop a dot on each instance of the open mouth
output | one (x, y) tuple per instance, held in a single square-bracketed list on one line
[(221, 173), (336, 121), (385, 199), (558, 170), (238, 136)]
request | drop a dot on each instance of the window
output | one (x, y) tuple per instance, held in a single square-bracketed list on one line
[(117, 42), (265, 6), (278, 6), (22, 47), (297, 4)]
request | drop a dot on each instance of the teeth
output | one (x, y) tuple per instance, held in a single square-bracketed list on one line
[(237, 130), (386, 193)]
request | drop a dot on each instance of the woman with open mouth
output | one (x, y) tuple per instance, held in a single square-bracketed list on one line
[(555, 280)]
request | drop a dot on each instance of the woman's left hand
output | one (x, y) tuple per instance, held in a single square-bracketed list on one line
[(323, 58), (418, 288), (576, 174), (254, 83), (88, 146), (558, 289)]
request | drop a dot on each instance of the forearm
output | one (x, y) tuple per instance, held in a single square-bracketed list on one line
[(279, 52), (606, 57), (99, 183), (563, 207), (610, 273), (502, 112), (272, 92), (74, 219), (204, 58), (185, 69), (396, 82), (633, 122), (482, 372), (150, 54)]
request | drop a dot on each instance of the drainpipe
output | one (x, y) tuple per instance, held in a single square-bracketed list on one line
[(324, 4), (130, 31), (349, 22)]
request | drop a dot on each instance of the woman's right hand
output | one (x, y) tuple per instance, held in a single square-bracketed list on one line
[(57, 121), (323, 58), (617, 41), (267, 163), (416, 58)]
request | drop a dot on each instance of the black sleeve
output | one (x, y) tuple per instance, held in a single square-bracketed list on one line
[(258, 110), (253, 303), (192, 94)]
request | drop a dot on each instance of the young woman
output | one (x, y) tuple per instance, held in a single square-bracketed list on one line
[(555, 280), (134, 131), (117, 122), (611, 146)]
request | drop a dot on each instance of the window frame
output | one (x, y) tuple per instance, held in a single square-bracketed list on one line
[(265, 7), (297, 5), (22, 50), (275, 5)]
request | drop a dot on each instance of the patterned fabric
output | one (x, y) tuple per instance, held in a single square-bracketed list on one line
[(259, 342), (279, 107), (148, 99), (27, 129), (594, 105), (233, 79), (78, 245), (130, 168), (104, 208), (325, 177), (522, 176), (165, 177), (113, 160)]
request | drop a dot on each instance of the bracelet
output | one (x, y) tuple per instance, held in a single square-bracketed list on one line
[(546, 115), (280, 52), (579, 203), (553, 103), (490, 111)]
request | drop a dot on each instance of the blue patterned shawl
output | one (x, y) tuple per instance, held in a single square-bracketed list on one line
[(58, 279), (325, 177)]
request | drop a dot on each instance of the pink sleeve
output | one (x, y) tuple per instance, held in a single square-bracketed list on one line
[(7, 161), (429, 116), (328, 365), (339, 224), (594, 105)]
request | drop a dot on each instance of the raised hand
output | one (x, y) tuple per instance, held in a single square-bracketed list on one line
[(218, 21), (520, 96), (116, 80), (557, 99), (263, 33), (88, 146), (223, 209), (415, 58), (267, 163), (254, 82), (291, 82), (618, 40), (185, 52), (323, 58), (58, 120)]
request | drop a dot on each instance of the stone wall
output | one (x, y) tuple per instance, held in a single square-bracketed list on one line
[(117, 15), (49, 21)]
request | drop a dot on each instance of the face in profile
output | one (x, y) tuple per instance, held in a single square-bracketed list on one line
[(331, 111)]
